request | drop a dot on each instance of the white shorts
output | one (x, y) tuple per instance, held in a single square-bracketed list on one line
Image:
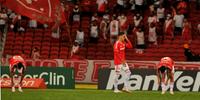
[(121, 67)]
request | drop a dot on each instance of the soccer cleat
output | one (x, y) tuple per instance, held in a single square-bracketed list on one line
[(117, 91), (163, 92), (126, 90), (20, 89), (13, 89), (171, 92)]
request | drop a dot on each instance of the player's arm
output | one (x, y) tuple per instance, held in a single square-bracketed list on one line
[(158, 76), (128, 42)]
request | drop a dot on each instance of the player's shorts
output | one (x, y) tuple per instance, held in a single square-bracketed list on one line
[(19, 67), (121, 67)]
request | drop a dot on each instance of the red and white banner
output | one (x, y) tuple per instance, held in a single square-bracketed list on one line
[(86, 71), (44, 11), (26, 83)]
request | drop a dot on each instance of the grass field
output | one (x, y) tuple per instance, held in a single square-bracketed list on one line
[(91, 94)]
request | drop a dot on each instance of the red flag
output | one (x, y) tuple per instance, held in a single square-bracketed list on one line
[(44, 11)]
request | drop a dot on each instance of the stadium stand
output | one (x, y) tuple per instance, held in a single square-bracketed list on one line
[(51, 48)]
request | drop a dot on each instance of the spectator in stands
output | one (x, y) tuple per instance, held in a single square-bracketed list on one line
[(151, 8), (197, 4), (160, 33), (186, 33), (75, 49), (76, 14), (139, 6), (120, 6), (33, 23), (103, 28), (95, 17), (190, 56), (123, 23), (3, 20), (132, 3), (178, 22), (140, 41), (80, 37), (152, 18), (114, 29), (101, 6), (137, 20), (152, 35), (94, 33), (106, 16), (16, 24), (169, 26), (3, 60), (35, 53), (198, 28), (161, 14), (182, 8)]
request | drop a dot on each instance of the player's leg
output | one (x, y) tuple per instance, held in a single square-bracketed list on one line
[(21, 76), (171, 77), (127, 76), (117, 74), (163, 74), (12, 70), (163, 85)]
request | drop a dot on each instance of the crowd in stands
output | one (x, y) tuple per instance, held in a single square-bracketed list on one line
[(149, 21)]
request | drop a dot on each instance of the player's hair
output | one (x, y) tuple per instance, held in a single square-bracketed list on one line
[(162, 69), (20, 65), (121, 33)]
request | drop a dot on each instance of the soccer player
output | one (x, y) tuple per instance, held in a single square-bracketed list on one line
[(166, 68), (17, 63), (120, 61)]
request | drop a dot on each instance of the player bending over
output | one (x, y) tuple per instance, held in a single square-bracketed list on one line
[(17, 63), (120, 61), (166, 68)]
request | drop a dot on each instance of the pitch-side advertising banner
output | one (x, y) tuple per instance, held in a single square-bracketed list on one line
[(146, 79), (57, 77), (86, 71)]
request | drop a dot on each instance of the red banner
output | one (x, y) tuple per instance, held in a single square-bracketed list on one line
[(44, 11), (26, 83)]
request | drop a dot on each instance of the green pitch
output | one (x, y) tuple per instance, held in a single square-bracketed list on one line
[(88, 94)]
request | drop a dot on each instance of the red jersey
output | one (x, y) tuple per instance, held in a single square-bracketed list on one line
[(15, 60), (166, 61), (119, 51)]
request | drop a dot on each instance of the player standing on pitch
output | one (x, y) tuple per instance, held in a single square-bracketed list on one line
[(166, 68), (17, 63), (120, 61)]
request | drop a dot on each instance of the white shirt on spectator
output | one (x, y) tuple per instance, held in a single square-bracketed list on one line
[(94, 31), (160, 13), (114, 27), (120, 2), (3, 16), (140, 38), (152, 34), (139, 2), (80, 36), (178, 20), (33, 23)]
